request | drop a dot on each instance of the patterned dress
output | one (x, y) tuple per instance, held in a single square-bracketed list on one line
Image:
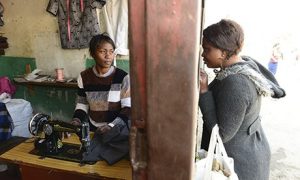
[(77, 20)]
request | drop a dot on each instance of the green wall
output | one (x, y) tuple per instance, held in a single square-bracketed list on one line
[(14, 66), (60, 102)]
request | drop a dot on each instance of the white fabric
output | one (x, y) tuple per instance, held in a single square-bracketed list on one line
[(83, 107), (20, 111), (79, 81), (97, 124), (116, 23), (118, 120), (126, 102), (5, 97), (114, 96), (108, 73)]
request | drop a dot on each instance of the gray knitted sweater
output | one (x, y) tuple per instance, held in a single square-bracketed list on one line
[(233, 102)]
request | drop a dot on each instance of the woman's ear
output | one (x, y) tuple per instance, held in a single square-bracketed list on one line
[(93, 56), (224, 55)]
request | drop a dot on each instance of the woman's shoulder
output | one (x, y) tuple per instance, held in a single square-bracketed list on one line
[(236, 79), (236, 88), (121, 71), (237, 82), (88, 70)]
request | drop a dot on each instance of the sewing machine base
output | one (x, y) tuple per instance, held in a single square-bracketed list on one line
[(69, 152)]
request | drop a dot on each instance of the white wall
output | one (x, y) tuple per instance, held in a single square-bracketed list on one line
[(264, 23), (33, 32)]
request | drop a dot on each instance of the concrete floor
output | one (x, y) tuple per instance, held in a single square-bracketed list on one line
[(281, 122)]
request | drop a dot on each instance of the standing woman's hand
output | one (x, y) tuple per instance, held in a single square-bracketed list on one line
[(203, 81)]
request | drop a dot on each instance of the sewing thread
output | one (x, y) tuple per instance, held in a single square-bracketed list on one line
[(59, 74)]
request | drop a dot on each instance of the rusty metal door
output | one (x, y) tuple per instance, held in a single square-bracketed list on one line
[(164, 48)]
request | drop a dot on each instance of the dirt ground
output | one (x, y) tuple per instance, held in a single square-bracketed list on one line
[(281, 122)]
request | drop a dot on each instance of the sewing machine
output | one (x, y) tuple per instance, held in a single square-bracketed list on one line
[(48, 133)]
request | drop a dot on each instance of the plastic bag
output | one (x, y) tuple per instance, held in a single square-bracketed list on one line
[(20, 111), (216, 165)]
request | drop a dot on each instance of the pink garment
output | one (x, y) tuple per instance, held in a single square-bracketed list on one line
[(6, 86)]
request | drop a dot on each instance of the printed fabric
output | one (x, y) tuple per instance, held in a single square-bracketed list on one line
[(77, 20)]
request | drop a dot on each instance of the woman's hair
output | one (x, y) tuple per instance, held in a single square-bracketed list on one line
[(226, 35), (99, 39)]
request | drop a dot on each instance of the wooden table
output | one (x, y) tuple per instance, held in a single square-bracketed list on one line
[(34, 167)]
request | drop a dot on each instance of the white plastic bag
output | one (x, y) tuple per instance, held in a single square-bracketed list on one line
[(216, 165), (20, 111)]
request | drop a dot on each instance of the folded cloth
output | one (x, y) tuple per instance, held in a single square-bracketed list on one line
[(111, 146), (4, 97)]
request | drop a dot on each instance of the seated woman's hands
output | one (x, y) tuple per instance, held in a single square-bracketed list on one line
[(103, 129), (76, 122)]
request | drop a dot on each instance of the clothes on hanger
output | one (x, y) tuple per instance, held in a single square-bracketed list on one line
[(77, 21)]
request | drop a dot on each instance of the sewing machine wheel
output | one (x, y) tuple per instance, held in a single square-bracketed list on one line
[(35, 125)]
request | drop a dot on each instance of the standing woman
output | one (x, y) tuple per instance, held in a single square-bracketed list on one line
[(233, 99)]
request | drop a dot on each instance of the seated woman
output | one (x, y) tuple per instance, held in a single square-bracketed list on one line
[(104, 97)]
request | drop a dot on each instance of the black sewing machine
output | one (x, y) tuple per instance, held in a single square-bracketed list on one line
[(48, 134)]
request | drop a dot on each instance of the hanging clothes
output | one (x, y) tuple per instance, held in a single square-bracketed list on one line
[(77, 20), (116, 23), (1, 14), (3, 44)]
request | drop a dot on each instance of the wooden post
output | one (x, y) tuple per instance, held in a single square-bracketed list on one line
[(164, 50)]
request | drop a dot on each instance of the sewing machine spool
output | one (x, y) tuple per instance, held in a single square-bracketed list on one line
[(35, 123)]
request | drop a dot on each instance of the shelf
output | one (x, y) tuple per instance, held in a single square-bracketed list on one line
[(23, 81)]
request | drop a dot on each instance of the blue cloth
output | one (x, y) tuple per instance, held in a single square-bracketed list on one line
[(6, 123), (272, 66)]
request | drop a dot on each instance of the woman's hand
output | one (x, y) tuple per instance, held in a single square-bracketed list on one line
[(103, 129), (76, 122), (203, 81)]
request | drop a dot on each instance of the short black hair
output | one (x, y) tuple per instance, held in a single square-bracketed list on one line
[(99, 39), (226, 35)]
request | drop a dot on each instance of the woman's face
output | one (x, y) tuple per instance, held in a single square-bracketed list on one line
[(104, 55), (212, 56)]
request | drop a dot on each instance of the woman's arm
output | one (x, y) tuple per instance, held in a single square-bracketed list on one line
[(228, 106)]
